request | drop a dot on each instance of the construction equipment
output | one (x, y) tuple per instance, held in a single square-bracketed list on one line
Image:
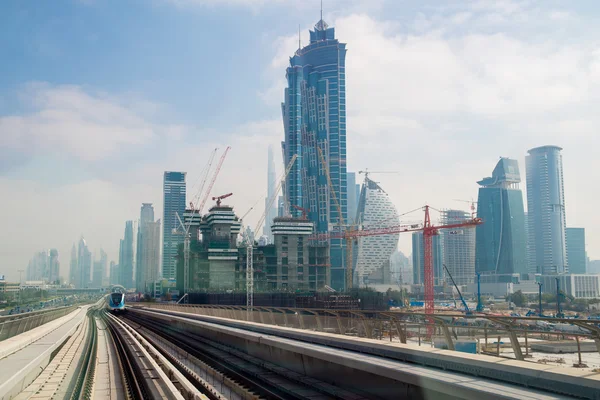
[(462, 299), (212, 182), (250, 244), (479, 302), (219, 198), (341, 223), (367, 172), (304, 211), (472, 203)]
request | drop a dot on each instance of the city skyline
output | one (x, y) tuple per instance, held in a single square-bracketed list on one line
[(113, 131)]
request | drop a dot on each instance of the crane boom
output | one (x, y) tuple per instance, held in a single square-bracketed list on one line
[(212, 182), (205, 173)]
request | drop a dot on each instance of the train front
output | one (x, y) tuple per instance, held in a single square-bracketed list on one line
[(116, 302)]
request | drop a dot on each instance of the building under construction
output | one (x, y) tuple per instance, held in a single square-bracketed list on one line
[(218, 264)]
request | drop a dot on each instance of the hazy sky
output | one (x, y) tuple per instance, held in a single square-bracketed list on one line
[(99, 97)]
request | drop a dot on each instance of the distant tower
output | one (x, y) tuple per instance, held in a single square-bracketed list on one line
[(546, 209), (270, 210), (84, 265), (73, 266), (501, 242), (459, 247), (174, 204), (126, 257), (146, 213)]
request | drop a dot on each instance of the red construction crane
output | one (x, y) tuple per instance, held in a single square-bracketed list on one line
[(219, 198), (305, 211), (429, 231), (212, 182)]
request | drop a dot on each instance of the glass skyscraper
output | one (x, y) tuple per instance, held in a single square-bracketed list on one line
[(576, 250), (418, 258), (459, 247), (501, 241), (314, 117), (546, 209), (173, 205)]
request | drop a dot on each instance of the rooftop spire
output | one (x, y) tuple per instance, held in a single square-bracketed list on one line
[(321, 25)]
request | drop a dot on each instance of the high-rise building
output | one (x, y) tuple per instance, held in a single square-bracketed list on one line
[(531, 265), (576, 250), (148, 254), (500, 244), (126, 257), (38, 267), (53, 267), (73, 266), (352, 197), (418, 259), (84, 265), (314, 118), (114, 273), (375, 210), (99, 270), (270, 206), (280, 206), (459, 247), (401, 271), (174, 204), (546, 209)]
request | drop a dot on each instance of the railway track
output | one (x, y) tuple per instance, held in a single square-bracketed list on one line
[(253, 377)]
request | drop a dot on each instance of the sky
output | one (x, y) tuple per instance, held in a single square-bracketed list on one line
[(99, 97)]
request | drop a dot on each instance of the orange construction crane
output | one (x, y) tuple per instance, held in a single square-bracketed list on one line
[(429, 231), (219, 198)]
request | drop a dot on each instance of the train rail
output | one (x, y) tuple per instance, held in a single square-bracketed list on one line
[(252, 377)]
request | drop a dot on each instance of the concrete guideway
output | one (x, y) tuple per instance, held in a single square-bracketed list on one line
[(23, 357), (13, 325), (148, 373), (471, 376)]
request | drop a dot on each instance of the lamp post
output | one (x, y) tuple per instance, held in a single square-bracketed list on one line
[(540, 298), (20, 272)]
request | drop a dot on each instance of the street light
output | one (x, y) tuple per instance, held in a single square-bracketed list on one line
[(20, 272)]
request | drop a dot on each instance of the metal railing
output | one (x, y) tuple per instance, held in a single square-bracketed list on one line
[(411, 327), (12, 325)]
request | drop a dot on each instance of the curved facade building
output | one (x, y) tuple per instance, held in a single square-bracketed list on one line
[(501, 242), (375, 210)]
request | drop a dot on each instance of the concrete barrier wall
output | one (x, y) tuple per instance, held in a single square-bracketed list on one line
[(14, 325)]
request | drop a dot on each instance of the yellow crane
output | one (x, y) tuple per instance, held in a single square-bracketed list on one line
[(341, 223)]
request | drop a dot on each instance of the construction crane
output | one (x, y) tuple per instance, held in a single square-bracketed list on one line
[(212, 182), (304, 211), (472, 203), (204, 176), (429, 231), (341, 222), (462, 299), (367, 172), (250, 243), (219, 198)]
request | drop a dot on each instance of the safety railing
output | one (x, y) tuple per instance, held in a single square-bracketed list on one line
[(487, 331), (12, 325)]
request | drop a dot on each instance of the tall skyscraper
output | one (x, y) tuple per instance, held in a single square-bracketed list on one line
[(53, 266), (576, 250), (546, 209), (353, 196), (114, 273), (73, 266), (418, 258), (531, 265), (500, 244), (271, 210), (375, 210), (314, 117), (173, 205), (84, 265), (459, 247), (148, 250), (99, 270), (126, 257)]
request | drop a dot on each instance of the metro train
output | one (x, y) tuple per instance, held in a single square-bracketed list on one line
[(115, 302)]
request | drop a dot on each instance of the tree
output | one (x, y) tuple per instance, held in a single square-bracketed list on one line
[(518, 298)]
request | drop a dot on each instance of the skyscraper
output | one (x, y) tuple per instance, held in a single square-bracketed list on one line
[(500, 244), (375, 210), (314, 118), (53, 266), (148, 250), (84, 265), (174, 204), (546, 209), (99, 270), (418, 257), (73, 266), (576, 250), (353, 196), (126, 257), (270, 209), (114, 273), (459, 247)]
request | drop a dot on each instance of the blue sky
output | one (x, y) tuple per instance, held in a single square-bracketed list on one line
[(98, 97)]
